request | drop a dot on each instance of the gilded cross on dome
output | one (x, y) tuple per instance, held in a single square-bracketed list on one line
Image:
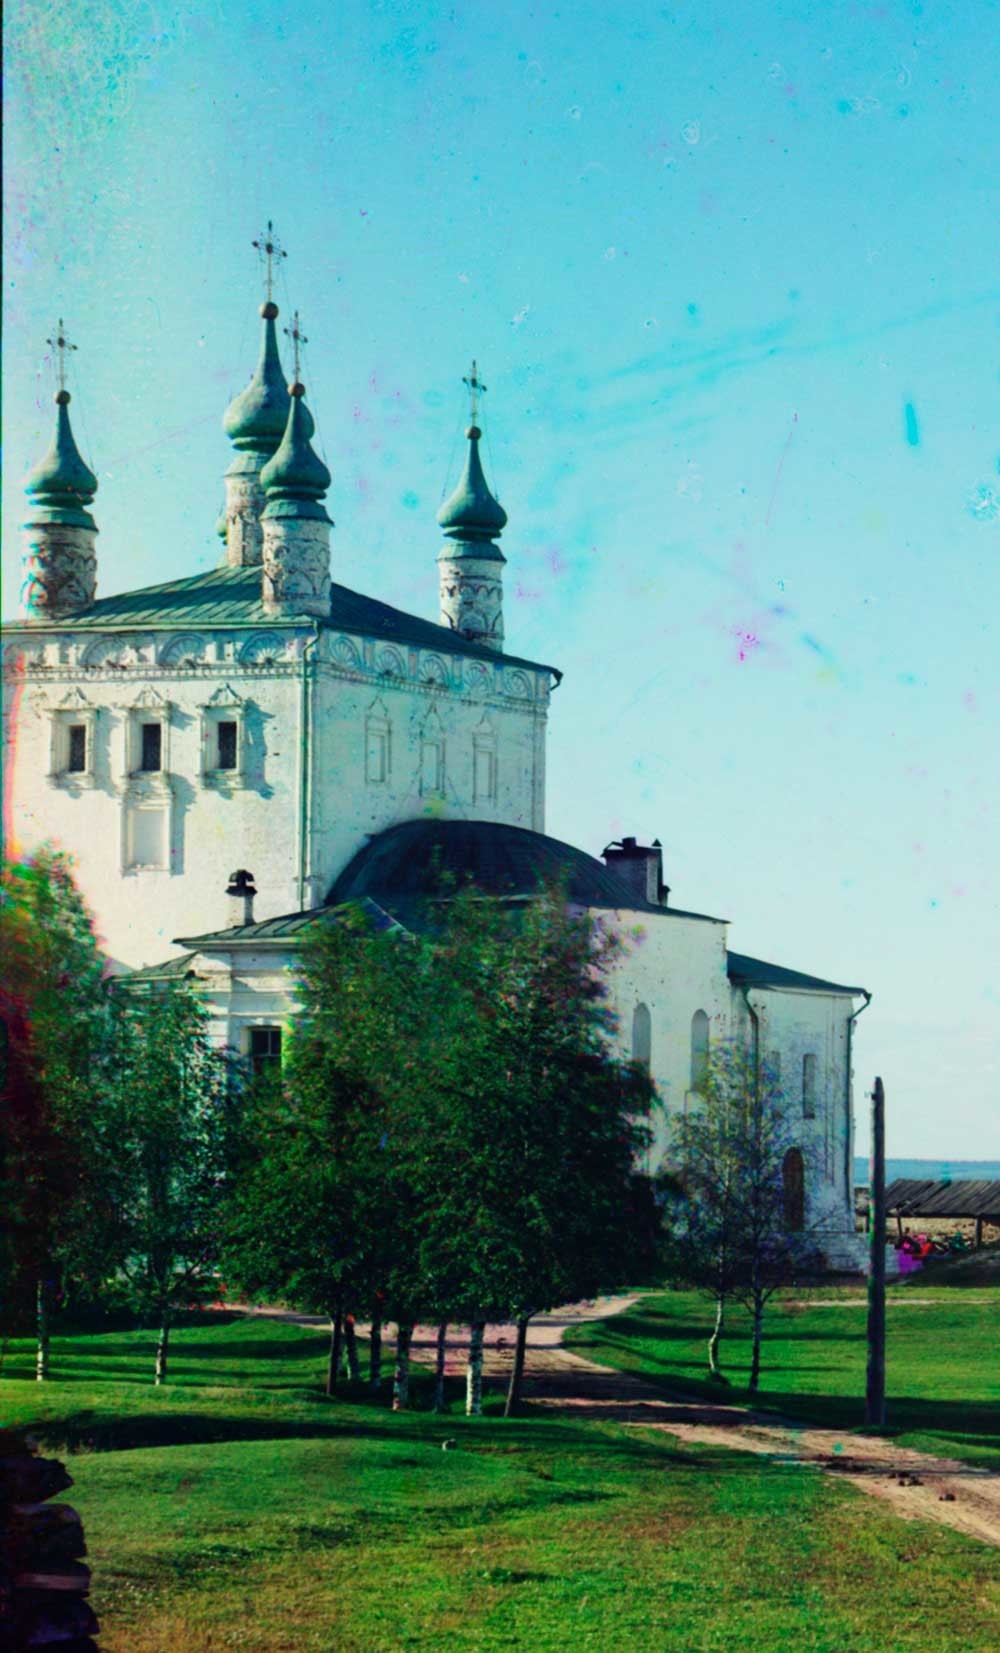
[(476, 389), (61, 345), (269, 250), (298, 339)]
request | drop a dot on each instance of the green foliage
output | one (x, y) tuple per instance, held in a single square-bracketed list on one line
[(454, 1137), (170, 1116), (55, 1017), (726, 1188), (730, 1230)]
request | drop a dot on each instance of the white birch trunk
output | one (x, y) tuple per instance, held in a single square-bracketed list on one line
[(401, 1378), (162, 1343), (42, 1330), (474, 1372)]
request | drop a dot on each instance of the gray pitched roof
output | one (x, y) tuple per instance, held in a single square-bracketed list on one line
[(915, 1197), (232, 597), (746, 971)]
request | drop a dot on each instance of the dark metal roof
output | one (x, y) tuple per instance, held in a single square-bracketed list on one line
[(744, 970), (427, 857), (170, 970), (232, 597), (912, 1197), (400, 871), (286, 927)]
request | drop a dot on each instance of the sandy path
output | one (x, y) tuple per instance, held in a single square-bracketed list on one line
[(948, 1491)]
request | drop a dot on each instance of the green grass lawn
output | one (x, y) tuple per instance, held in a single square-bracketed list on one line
[(942, 1359), (237, 1508)]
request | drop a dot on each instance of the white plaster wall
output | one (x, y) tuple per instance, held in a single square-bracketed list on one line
[(459, 703), (675, 966), (793, 1025), (217, 826), (214, 826)]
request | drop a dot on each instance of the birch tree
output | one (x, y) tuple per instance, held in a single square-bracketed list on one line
[(172, 1110), (726, 1198)]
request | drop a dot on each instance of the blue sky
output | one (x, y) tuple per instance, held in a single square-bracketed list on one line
[(731, 276)]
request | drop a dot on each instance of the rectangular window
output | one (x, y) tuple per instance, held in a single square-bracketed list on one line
[(151, 753), (226, 750), (809, 1087), (77, 754), (265, 1048)]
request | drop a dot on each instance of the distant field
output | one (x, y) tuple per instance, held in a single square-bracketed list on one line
[(238, 1508), (942, 1370)]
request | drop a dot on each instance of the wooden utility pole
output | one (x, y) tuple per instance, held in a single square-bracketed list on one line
[(875, 1385)]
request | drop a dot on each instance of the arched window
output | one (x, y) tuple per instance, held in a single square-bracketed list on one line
[(793, 1183), (809, 1087), (642, 1036), (699, 1050)]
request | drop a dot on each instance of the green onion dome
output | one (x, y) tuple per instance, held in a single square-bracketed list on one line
[(255, 419), (61, 485), (295, 478), (472, 513)]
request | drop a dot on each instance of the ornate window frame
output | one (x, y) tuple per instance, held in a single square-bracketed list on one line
[(147, 701), (432, 756), (74, 710), (224, 706), (485, 764), (378, 745)]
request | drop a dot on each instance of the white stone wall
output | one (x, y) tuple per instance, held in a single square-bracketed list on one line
[(403, 733), (674, 966), (794, 1025), (292, 814)]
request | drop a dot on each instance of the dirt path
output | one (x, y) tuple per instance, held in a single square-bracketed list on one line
[(915, 1484), (933, 1489)]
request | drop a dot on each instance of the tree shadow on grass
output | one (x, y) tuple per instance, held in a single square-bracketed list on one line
[(974, 1424)]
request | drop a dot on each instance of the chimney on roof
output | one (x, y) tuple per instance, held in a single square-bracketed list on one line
[(640, 866), (241, 885)]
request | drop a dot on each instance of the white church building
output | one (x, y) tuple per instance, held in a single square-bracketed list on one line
[(330, 748)]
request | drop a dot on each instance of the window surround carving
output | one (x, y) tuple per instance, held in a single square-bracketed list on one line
[(147, 707), (75, 711), (432, 756), (223, 711), (485, 778), (378, 745)]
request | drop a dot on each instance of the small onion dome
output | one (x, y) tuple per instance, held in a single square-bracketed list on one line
[(472, 513), (61, 485), (222, 526), (295, 479), (255, 419)]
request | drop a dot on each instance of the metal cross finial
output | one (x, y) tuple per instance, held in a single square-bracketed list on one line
[(269, 249), (298, 338), (476, 389), (61, 344)]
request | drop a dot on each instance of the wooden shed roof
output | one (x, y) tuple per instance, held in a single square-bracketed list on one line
[(913, 1197)]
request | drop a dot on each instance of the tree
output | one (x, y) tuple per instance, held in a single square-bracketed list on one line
[(318, 1213), (729, 1230), (454, 1137), (538, 1120), (54, 1010), (172, 1109)]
